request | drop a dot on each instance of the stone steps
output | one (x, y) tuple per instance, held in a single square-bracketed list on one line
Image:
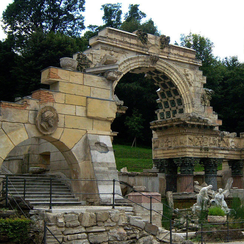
[(37, 190)]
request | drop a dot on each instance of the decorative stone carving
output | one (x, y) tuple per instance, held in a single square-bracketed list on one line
[(142, 36), (47, 120), (164, 41), (83, 62), (211, 165), (186, 164), (160, 164), (117, 101), (68, 63), (202, 200), (189, 76), (219, 200), (153, 59), (112, 75), (206, 96), (108, 60)]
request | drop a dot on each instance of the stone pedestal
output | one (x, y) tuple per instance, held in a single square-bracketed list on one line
[(144, 200), (185, 183)]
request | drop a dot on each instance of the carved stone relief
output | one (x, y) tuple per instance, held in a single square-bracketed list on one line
[(189, 76), (195, 141), (47, 120)]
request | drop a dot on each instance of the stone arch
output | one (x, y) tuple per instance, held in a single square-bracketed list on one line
[(12, 134), (179, 80)]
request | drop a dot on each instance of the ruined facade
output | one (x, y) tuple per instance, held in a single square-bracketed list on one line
[(75, 115)]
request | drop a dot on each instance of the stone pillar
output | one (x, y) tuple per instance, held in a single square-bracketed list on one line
[(168, 167), (210, 168), (185, 179), (237, 173)]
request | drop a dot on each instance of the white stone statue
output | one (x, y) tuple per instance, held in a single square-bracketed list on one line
[(202, 199), (219, 200)]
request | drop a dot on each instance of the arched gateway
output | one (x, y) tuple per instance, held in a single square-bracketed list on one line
[(75, 115)]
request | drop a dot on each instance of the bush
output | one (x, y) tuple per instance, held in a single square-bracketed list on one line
[(237, 209), (15, 229), (216, 211)]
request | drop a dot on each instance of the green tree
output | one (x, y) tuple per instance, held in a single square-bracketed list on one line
[(43, 50), (230, 105), (112, 15), (133, 20), (8, 60), (134, 13), (135, 125), (24, 17), (139, 94)]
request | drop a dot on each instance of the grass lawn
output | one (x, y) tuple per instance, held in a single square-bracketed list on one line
[(138, 158), (134, 158)]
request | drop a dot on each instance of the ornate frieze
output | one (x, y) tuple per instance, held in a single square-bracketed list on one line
[(195, 141)]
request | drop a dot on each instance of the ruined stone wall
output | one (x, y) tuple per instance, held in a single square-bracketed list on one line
[(100, 226)]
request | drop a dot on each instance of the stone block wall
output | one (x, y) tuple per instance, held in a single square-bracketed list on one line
[(110, 226)]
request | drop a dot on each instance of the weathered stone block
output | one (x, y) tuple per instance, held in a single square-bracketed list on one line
[(101, 125), (88, 219), (60, 221), (75, 100), (98, 237), (114, 215), (137, 221), (117, 234), (100, 93), (77, 230), (152, 229), (51, 218), (96, 81), (65, 108), (102, 216), (71, 137), (94, 109), (76, 122)]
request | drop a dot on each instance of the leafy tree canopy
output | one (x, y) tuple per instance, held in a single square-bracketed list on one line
[(43, 50), (112, 15), (24, 17)]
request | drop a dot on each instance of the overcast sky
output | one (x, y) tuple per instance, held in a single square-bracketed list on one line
[(222, 21)]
